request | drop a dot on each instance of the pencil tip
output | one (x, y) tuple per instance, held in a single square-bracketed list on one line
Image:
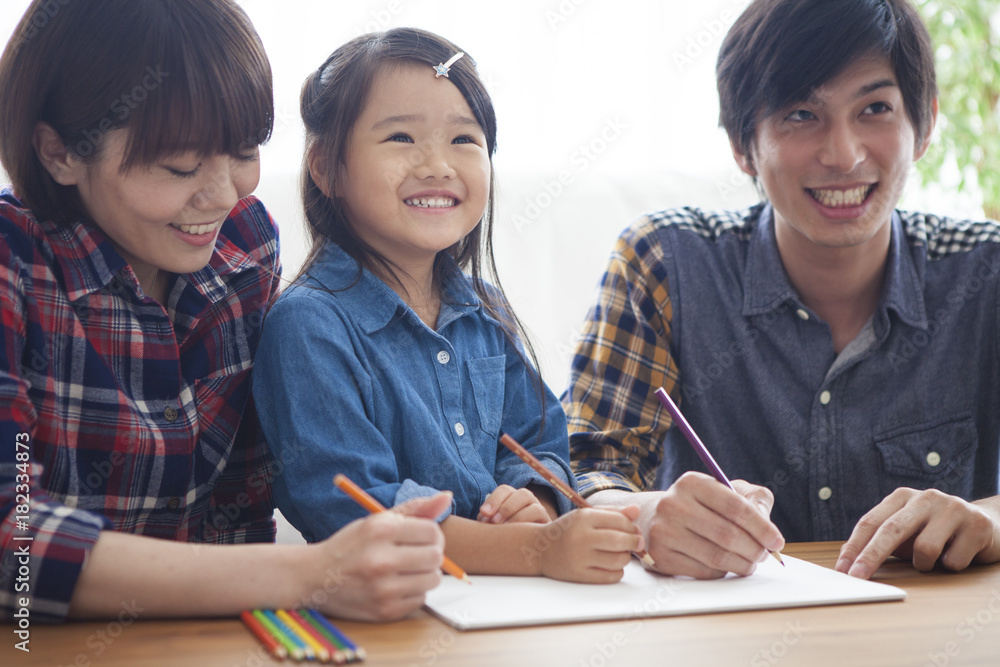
[(466, 579), (648, 560)]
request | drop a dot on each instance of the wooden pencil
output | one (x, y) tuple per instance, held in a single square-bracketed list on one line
[(293, 648), (319, 649), (332, 649), (359, 652), (345, 650), (539, 467), (270, 642), (304, 650), (361, 497)]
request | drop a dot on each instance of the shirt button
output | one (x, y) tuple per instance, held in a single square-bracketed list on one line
[(459, 429), (825, 493), (170, 414), (173, 503), (933, 459), (443, 357), (801, 312), (824, 397)]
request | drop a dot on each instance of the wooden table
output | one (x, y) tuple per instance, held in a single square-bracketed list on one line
[(948, 619)]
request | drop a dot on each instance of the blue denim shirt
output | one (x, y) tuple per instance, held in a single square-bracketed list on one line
[(913, 401), (352, 381)]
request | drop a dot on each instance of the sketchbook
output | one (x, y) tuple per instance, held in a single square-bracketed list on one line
[(498, 602)]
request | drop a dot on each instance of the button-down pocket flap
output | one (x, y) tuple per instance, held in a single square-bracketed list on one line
[(487, 376), (936, 454)]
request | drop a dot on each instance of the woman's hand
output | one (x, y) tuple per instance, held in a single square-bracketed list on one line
[(379, 568)]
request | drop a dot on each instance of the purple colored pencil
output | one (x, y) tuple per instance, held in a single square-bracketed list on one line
[(699, 447)]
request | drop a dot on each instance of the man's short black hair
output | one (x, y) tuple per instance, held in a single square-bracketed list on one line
[(780, 51)]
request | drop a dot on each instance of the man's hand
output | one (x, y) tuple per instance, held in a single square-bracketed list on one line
[(926, 526), (701, 528)]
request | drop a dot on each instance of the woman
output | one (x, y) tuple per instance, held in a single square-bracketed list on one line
[(136, 272)]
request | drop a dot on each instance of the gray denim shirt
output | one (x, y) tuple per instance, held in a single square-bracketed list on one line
[(913, 401)]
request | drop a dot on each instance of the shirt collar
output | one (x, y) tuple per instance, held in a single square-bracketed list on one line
[(373, 302), (765, 282), (89, 261), (904, 291), (767, 286)]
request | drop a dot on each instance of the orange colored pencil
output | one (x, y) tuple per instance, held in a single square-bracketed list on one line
[(361, 497), (539, 467), (272, 645)]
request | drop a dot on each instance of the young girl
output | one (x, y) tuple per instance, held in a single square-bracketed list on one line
[(134, 273), (385, 361)]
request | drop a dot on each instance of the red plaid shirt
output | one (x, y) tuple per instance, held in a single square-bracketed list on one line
[(117, 413)]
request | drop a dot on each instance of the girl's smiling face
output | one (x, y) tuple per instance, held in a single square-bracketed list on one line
[(416, 177)]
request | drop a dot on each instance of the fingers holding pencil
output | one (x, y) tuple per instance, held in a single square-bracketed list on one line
[(704, 529), (590, 545), (561, 486), (380, 567), (425, 509)]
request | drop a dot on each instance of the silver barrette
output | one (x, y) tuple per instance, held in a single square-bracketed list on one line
[(441, 69)]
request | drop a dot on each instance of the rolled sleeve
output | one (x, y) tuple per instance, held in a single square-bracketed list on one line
[(410, 490), (616, 425), (41, 557)]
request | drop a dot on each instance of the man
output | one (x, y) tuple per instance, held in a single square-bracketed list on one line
[(840, 356)]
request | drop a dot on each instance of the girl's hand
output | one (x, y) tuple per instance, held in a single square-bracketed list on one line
[(509, 505), (590, 545), (379, 568)]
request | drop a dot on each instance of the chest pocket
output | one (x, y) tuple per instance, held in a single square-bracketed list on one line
[(487, 376), (939, 454)]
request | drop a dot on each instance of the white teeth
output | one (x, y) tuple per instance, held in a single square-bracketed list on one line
[(842, 198), (197, 229), (430, 202)]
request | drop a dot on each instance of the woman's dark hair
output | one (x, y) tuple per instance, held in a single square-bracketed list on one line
[(779, 51), (177, 74), (333, 97)]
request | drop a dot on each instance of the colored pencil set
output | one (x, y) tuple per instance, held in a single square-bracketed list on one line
[(303, 634)]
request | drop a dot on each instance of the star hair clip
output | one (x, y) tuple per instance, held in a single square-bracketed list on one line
[(441, 69)]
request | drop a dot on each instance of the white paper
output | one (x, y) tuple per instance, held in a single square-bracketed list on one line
[(496, 602)]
